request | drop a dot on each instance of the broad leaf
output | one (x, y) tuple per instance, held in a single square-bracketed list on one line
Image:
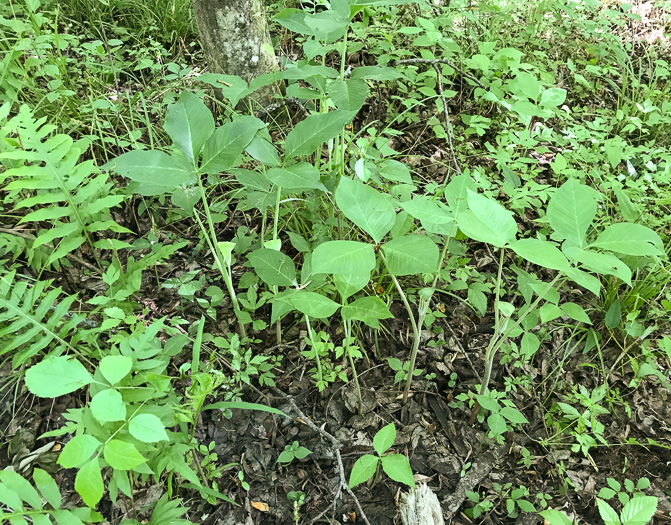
[(108, 406), (411, 254), (362, 470), (487, 221), (607, 513), (428, 210), (154, 172), (397, 467), (368, 310), (224, 147), (56, 376), (263, 150), (301, 177), (189, 124), (367, 208), (576, 312), (313, 304), (343, 257), (309, 134), (603, 263), (122, 455), (384, 439), (147, 428), (275, 268), (639, 510), (630, 239), (78, 450), (115, 367), (348, 285), (571, 210), (21, 486), (348, 95), (395, 171), (243, 405), (456, 192), (542, 253), (89, 483)]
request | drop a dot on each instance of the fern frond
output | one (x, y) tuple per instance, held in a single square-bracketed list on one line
[(49, 179), (33, 319)]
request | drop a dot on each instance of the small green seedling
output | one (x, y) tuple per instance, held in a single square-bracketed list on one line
[(291, 452), (396, 466), (298, 498)]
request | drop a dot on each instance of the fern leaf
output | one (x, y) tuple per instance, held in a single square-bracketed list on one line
[(32, 320), (45, 175)]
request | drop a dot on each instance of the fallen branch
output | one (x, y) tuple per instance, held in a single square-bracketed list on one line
[(336, 447)]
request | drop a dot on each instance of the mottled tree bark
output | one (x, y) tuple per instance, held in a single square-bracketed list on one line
[(235, 39)]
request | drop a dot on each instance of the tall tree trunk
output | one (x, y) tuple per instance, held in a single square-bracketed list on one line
[(235, 39)]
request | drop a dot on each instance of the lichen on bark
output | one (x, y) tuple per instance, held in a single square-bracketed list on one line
[(235, 39)]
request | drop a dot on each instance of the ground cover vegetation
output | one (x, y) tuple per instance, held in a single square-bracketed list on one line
[(440, 256)]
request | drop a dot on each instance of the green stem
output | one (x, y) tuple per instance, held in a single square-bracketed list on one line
[(314, 347), (498, 339), (348, 334)]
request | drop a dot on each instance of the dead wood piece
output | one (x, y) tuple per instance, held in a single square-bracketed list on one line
[(420, 506), (480, 468)]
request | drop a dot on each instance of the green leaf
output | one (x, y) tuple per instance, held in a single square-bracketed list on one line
[(348, 95), (263, 151), (487, 221), (607, 513), (115, 367), (308, 135), (108, 406), (639, 510), (154, 172), (630, 239), (395, 171), (56, 376), (122, 455), (78, 450), (456, 192), (362, 470), (147, 428), (89, 483), (224, 147), (300, 177), (428, 210), (513, 415), (553, 97), (368, 310), (411, 254), (384, 439), (47, 487), (496, 424), (348, 285), (22, 487), (275, 268), (555, 517), (613, 315), (189, 124), (542, 253), (630, 211), (488, 403), (397, 467), (571, 210), (549, 311), (367, 208), (343, 257), (603, 263), (313, 304), (576, 312)]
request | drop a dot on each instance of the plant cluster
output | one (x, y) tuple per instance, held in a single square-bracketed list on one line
[(569, 201)]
